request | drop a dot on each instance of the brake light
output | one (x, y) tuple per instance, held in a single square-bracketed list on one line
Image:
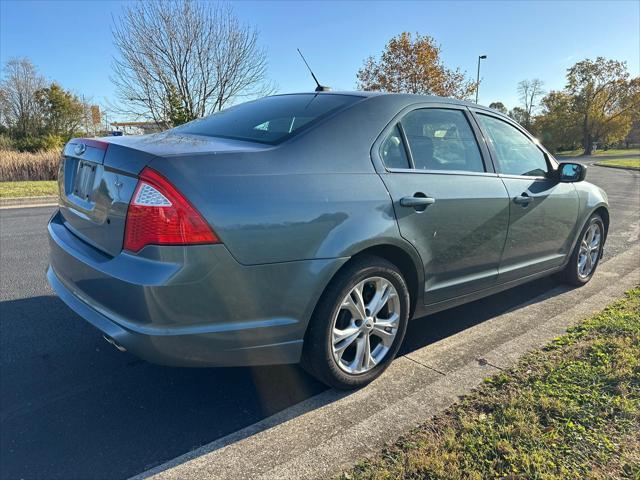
[(160, 215)]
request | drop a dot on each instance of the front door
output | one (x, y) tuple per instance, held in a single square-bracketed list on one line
[(543, 211), (449, 205)]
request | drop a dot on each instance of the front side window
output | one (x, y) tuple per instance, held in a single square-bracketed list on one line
[(269, 120), (393, 152), (517, 154), (441, 139)]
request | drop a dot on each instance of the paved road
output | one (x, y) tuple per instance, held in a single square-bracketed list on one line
[(71, 406)]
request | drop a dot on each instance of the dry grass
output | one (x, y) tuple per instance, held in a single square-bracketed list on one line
[(20, 166)]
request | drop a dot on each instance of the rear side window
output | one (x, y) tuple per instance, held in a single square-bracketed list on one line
[(441, 139), (517, 154), (393, 152), (269, 120)]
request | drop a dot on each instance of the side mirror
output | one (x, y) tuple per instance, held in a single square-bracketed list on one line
[(572, 172)]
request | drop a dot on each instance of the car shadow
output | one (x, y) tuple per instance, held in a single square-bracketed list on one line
[(71, 406)]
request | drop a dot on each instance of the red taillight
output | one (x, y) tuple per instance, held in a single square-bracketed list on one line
[(159, 215)]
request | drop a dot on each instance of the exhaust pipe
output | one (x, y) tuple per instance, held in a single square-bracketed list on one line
[(113, 342)]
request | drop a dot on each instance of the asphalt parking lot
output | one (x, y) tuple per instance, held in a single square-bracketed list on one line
[(71, 406)]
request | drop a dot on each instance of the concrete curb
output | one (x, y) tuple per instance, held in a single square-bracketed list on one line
[(327, 433), (23, 202), (617, 167)]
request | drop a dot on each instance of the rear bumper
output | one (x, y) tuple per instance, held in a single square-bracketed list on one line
[(189, 306)]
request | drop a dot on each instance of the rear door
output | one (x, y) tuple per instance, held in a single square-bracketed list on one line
[(543, 211), (449, 202)]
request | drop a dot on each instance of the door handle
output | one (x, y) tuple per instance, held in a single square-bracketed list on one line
[(419, 202), (523, 199)]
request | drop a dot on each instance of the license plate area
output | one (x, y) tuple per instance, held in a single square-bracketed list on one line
[(84, 179)]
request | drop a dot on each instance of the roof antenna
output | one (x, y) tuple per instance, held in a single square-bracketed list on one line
[(319, 88)]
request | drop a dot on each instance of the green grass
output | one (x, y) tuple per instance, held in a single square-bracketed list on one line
[(601, 153), (568, 411), (627, 162), (38, 188)]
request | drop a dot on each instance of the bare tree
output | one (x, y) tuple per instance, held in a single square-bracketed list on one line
[(180, 59), (530, 91), (20, 109)]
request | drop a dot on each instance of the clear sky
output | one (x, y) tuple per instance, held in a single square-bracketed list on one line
[(70, 41)]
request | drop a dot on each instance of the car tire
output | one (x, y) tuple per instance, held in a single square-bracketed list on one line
[(572, 272), (325, 355)]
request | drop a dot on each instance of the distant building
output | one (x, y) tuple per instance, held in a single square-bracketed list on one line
[(137, 128)]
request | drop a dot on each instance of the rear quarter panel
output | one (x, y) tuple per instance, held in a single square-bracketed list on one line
[(315, 196), (289, 217)]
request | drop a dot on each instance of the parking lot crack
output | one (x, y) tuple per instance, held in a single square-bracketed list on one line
[(425, 366)]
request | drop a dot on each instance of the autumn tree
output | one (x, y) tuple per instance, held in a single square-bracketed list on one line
[(529, 92), (413, 65), (606, 99), (558, 125), (499, 106), (182, 59)]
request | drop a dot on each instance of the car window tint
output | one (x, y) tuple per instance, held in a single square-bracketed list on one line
[(269, 120), (517, 154), (393, 152), (442, 139)]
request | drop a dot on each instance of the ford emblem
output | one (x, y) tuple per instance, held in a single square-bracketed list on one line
[(80, 148)]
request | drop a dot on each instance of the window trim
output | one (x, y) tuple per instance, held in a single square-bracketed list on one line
[(406, 146), (552, 165), (489, 169)]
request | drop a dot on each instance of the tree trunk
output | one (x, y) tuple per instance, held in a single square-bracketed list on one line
[(587, 140), (588, 146)]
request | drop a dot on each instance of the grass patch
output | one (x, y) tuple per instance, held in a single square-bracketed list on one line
[(627, 162), (601, 153), (568, 411), (39, 188)]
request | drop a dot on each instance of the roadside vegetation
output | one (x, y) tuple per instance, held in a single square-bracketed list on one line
[(28, 189), (568, 411), (18, 166), (601, 153), (626, 163)]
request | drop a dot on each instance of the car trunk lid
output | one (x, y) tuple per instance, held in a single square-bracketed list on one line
[(98, 178), (93, 195)]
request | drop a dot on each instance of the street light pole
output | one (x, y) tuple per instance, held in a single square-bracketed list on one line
[(481, 57)]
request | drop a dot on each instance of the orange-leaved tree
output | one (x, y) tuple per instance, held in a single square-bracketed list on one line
[(413, 65)]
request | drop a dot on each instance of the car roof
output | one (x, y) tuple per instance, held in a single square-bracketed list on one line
[(401, 98)]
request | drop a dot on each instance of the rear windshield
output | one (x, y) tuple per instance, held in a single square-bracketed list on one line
[(269, 120)]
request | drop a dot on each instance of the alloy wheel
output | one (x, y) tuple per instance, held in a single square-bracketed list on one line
[(589, 250), (365, 325)]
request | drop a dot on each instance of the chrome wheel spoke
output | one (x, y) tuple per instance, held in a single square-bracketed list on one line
[(391, 322), (354, 306), (384, 335), (362, 360), (356, 298), (348, 334), (384, 290)]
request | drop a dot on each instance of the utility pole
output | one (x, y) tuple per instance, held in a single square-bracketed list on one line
[(481, 57)]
